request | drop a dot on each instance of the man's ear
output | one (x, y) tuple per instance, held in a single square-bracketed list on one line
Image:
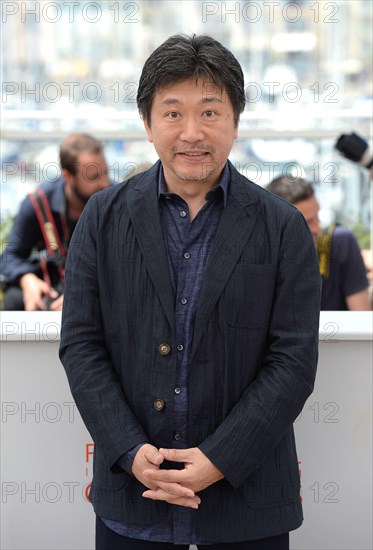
[(235, 135), (67, 176), (147, 128)]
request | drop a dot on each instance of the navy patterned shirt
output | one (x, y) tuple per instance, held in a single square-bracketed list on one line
[(187, 246)]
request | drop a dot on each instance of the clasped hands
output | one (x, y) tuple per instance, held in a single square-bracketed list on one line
[(174, 486)]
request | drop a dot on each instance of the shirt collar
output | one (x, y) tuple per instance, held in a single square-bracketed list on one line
[(223, 184)]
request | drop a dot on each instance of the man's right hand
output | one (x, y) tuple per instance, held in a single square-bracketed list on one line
[(34, 291), (148, 457)]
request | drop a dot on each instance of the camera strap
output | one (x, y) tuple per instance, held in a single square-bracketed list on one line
[(323, 249), (56, 251)]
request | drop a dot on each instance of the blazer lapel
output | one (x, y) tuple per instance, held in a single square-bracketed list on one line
[(144, 213), (234, 229)]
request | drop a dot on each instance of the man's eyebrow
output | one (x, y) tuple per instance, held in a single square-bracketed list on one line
[(211, 99), (171, 101), (204, 99)]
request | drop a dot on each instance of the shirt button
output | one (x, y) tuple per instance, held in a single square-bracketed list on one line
[(183, 301), (159, 405), (164, 349), (177, 436), (180, 347), (183, 214), (177, 391), (186, 255)]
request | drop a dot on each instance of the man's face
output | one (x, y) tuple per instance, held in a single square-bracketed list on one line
[(192, 129), (310, 210), (91, 175)]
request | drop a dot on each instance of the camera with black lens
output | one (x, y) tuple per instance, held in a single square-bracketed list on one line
[(355, 148)]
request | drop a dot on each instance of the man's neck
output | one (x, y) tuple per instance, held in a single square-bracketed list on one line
[(74, 206), (192, 191)]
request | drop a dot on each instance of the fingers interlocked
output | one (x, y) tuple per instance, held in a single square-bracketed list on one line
[(171, 492)]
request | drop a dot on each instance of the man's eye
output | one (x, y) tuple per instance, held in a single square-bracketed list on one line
[(173, 114), (209, 114)]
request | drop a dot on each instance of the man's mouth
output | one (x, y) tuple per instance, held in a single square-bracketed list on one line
[(193, 153)]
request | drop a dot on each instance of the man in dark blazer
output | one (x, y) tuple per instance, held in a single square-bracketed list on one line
[(190, 327)]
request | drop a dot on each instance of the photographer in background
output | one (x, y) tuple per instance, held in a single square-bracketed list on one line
[(33, 263), (355, 148), (344, 278)]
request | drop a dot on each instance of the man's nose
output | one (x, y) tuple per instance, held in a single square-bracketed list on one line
[(104, 181), (192, 130), (315, 226)]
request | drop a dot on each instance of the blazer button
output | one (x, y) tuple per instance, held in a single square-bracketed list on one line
[(164, 349), (159, 405)]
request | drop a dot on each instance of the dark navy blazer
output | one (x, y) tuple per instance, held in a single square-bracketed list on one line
[(253, 361)]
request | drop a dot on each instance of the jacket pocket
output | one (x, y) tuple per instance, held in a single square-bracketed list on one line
[(104, 479), (262, 492), (277, 481), (247, 298)]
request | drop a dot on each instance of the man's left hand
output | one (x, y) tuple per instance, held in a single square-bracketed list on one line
[(56, 305), (198, 472)]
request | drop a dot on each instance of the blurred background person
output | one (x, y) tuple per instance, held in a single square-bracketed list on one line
[(367, 254), (32, 264), (344, 277)]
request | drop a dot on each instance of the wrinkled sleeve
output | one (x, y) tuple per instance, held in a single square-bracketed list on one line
[(269, 406), (83, 353)]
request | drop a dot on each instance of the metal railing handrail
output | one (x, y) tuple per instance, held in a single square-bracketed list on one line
[(137, 132), (78, 114)]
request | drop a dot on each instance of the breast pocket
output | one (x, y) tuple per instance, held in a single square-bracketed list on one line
[(247, 298)]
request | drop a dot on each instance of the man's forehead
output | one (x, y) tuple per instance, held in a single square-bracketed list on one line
[(209, 90), (85, 157)]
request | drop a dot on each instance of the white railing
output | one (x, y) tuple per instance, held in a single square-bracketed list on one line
[(127, 125)]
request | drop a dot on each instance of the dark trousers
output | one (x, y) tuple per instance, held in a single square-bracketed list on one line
[(106, 539), (13, 299)]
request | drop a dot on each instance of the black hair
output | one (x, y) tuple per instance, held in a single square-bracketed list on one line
[(73, 146), (181, 57), (291, 189)]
